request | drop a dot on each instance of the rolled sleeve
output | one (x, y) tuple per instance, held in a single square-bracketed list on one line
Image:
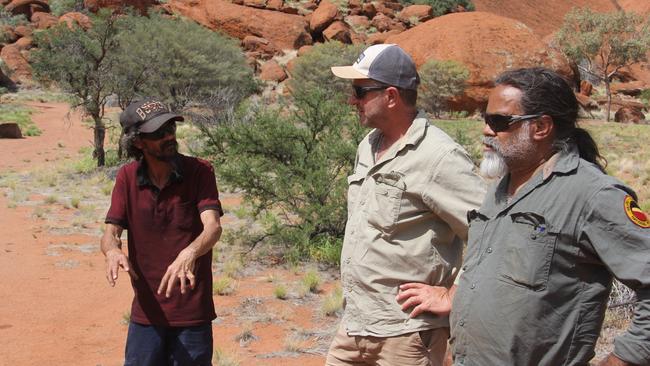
[(624, 248), (207, 193), (117, 212)]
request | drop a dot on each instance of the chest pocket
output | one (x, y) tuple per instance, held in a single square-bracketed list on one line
[(528, 253), (477, 222), (385, 200)]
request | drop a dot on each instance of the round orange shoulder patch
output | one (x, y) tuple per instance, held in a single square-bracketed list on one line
[(635, 214)]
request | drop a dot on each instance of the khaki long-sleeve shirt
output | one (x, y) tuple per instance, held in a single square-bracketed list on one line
[(407, 221), (539, 268)]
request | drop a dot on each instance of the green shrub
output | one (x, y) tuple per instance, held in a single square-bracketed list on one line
[(291, 166), (179, 61), (60, 7), (645, 96), (440, 81), (333, 303), (280, 291), (442, 7), (21, 116), (312, 70)]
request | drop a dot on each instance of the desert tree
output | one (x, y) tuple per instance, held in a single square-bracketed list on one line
[(82, 63), (179, 61), (603, 43)]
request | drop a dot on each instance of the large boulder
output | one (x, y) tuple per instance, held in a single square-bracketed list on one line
[(485, 43), (141, 5), (10, 131), (16, 62), (338, 31), (629, 115), (42, 20), (323, 16), (272, 71), (415, 14), (27, 7), (76, 19), (630, 88), (543, 17), (284, 31)]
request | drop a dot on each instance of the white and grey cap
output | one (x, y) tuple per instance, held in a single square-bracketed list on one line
[(386, 63)]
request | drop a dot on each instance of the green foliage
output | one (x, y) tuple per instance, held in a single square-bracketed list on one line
[(280, 291), (602, 43), (440, 80), (312, 70), (178, 61), (7, 19), (311, 281), (21, 116), (442, 7), (645, 96), (60, 7), (291, 166), (333, 303)]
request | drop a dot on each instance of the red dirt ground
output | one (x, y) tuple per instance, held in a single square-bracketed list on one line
[(57, 308)]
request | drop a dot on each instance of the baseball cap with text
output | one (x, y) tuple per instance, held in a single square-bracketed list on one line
[(386, 63), (147, 116)]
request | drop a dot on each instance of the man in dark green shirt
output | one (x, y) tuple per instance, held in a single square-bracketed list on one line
[(548, 240)]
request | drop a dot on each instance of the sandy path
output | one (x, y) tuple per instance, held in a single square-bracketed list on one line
[(55, 307)]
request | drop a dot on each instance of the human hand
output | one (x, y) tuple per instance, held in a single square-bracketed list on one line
[(182, 270), (434, 299), (612, 360), (116, 259)]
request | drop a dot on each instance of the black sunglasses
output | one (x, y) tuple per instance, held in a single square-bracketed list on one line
[(360, 91), (168, 128), (500, 122)]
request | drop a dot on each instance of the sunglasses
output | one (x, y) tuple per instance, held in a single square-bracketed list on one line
[(360, 91), (168, 128), (500, 122)]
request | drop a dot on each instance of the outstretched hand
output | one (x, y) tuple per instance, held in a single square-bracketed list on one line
[(421, 297), (116, 259), (181, 270)]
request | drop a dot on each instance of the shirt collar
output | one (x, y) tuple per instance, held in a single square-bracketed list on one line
[(413, 136), (176, 174)]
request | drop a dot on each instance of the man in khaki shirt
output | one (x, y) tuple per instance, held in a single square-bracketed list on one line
[(408, 200)]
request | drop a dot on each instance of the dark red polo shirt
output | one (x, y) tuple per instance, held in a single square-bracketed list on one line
[(160, 223)]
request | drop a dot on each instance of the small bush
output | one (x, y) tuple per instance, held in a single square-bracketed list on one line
[(223, 286), (440, 81), (311, 281), (60, 7), (333, 303), (280, 292), (312, 70)]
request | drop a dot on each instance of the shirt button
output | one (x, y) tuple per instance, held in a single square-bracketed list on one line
[(464, 268), (533, 236), (489, 250), (461, 323), (473, 286)]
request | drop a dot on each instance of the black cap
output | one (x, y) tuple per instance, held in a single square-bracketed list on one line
[(146, 116)]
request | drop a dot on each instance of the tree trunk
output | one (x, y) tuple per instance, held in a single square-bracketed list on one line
[(100, 132), (608, 92)]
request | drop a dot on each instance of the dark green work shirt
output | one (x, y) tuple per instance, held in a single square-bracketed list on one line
[(539, 269)]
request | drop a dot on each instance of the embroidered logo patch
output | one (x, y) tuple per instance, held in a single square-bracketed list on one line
[(635, 214)]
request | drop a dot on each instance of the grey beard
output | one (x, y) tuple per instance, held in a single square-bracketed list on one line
[(493, 165)]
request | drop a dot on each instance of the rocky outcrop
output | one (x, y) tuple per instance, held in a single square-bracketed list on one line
[(272, 71), (27, 7), (415, 14), (44, 20), (485, 43), (283, 31), (629, 115), (543, 17), (323, 16), (17, 63), (75, 18), (141, 5), (338, 31), (630, 88)]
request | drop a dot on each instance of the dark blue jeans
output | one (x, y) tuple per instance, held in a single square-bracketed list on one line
[(149, 345)]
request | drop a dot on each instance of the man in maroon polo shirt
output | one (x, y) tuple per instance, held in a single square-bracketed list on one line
[(169, 205)]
